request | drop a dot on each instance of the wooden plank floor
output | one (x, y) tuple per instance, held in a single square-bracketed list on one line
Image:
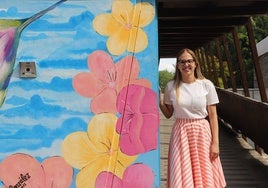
[(243, 166)]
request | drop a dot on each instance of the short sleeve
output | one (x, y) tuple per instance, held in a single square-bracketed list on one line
[(212, 96), (167, 93)]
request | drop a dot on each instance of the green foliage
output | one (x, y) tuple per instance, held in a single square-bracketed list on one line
[(260, 29), (164, 77), (260, 26)]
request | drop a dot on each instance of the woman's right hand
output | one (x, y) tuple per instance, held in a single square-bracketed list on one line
[(161, 96)]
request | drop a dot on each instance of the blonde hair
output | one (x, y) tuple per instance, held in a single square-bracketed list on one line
[(178, 77)]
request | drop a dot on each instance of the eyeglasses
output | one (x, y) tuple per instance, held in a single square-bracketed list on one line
[(184, 61)]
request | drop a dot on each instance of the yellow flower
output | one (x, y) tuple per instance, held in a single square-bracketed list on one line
[(96, 151), (123, 26)]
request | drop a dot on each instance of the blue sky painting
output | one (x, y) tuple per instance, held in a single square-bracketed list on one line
[(39, 113)]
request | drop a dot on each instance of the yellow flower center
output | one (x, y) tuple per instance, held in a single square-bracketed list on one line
[(111, 78), (111, 152), (128, 26), (111, 84)]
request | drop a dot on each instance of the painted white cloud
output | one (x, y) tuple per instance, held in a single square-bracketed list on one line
[(43, 152)]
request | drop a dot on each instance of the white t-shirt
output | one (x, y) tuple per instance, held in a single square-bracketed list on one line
[(193, 98)]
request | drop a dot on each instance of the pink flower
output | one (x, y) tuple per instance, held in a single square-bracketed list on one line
[(105, 80), (22, 169), (136, 175), (138, 124)]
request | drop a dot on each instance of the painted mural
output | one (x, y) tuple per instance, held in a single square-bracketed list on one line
[(89, 118)]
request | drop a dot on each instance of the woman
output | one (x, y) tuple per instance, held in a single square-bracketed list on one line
[(194, 144)]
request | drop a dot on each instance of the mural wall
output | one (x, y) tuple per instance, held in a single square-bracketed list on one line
[(85, 114)]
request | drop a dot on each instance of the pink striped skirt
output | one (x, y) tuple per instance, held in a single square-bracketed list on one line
[(189, 165)]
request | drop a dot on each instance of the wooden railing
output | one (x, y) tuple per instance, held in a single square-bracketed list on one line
[(246, 115)]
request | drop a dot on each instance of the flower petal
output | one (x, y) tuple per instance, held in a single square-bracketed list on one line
[(122, 10), (108, 157), (101, 132), (128, 68), (142, 82), (117, 43), (21, 167), (105, 102), (143, 14), (87, 84), (108, 179), (58, 172), (77, 150), (138, 40), (87, 176), (138, 175), (138, 124), (99, 63), (105, 24), (130, 142)]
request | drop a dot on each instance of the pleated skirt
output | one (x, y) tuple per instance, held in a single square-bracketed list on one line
[(189, 164)]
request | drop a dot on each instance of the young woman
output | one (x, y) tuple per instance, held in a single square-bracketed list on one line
[(194, 144)]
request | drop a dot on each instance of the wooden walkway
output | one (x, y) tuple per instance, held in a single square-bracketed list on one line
[(243, 166)]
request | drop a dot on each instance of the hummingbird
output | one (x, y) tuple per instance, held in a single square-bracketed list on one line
[(10, 32)]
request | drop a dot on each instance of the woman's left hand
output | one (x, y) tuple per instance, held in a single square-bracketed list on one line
[(214, 151)]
